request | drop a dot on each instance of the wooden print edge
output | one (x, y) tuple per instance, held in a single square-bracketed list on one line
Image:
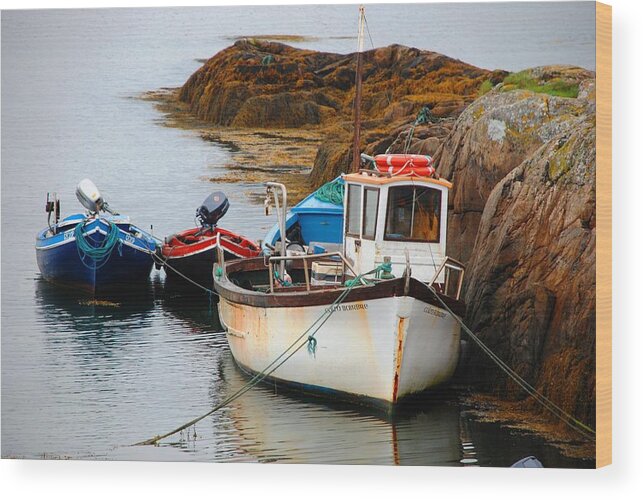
[(603, 234)]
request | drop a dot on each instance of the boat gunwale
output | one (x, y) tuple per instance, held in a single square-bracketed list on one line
[(395, 287), (144, 243), (184, 250)]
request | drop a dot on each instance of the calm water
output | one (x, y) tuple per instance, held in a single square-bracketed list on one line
[(83, 381)]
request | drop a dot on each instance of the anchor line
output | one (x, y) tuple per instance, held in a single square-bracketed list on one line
[(297, 344), (545, 402), (163, 262)]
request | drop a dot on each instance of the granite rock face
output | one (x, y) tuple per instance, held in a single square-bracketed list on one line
[(524, 168), (492, 137)]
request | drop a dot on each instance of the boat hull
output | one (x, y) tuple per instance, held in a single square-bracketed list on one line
[(130, 263), (376, 351), (194, 260), (196, 267)]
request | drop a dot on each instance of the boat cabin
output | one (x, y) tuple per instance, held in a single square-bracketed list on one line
[(395, 216)]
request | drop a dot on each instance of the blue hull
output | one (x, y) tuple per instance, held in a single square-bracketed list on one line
[(129, 263)]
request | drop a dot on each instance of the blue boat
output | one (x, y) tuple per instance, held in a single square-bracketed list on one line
[(317, 221), (96, 252)]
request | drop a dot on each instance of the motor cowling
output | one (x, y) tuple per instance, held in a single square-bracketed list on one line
[(89, 196), (212, 209)]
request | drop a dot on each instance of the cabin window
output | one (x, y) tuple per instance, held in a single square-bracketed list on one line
[(354, 212), (371, 199), (413, 214)]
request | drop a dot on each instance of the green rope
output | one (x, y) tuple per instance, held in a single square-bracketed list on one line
[(331, 192), (281, 281), (98, 254), (267, 60), (312, 345), (382, 271)]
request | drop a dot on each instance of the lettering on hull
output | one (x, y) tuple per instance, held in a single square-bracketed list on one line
[(434, 312), (347, 307)]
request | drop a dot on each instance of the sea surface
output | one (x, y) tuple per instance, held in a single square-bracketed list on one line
[(85, 381)]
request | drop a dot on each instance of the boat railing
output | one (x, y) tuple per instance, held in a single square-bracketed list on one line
[(453, 277), (305, 258)]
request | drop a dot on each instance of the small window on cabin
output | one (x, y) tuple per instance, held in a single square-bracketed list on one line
[(413, 214), (354, 209), (371, 198)]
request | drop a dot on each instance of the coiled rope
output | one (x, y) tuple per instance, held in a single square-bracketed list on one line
[(307, 338), (331, 192), (549, 405), (98, 252)]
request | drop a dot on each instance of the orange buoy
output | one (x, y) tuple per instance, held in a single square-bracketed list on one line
[(401, 164)]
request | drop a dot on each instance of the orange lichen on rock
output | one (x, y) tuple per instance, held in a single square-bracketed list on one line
[(257, 83)]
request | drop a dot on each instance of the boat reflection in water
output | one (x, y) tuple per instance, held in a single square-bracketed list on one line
[(100, 326), (268, 424), (195, 310)]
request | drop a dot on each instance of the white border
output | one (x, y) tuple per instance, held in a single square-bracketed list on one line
[(124, 480)]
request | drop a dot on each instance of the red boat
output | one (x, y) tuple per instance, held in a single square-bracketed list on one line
[(189, 256)]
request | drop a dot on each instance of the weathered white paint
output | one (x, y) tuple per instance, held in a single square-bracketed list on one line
[(361, 349)]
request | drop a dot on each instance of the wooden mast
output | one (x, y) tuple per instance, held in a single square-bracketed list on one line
[(357, 105)]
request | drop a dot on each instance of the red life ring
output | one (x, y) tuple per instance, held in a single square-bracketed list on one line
[(401, 164)]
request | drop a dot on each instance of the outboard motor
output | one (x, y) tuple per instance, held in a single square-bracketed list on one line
[(212, 209), (89, 196)]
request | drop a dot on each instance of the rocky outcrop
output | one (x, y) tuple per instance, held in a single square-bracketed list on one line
[(523, 166), (492, 137), (256, 83), (531, 284)]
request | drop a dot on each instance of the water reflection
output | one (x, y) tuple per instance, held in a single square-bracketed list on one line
[(268, 424), (79, 379), (195, 309), (66, 312), (164, 354)]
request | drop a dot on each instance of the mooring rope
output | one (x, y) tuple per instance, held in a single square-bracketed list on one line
[(276, 363), (549, 405), (422, 117), (162, 262)]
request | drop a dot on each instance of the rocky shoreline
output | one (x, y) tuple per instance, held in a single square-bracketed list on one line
[(519, 148)]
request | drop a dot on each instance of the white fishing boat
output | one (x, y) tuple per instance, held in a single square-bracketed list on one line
[(377, 312), (379, 339)]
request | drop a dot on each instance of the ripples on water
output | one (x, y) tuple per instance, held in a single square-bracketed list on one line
[(83, 380)]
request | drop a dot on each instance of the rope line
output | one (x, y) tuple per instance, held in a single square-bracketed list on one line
[(368, 31), (161, 262), (297, 344), (423, 116), (549, 405)]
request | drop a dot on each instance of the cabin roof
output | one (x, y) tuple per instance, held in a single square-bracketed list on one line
[(381, 180)]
